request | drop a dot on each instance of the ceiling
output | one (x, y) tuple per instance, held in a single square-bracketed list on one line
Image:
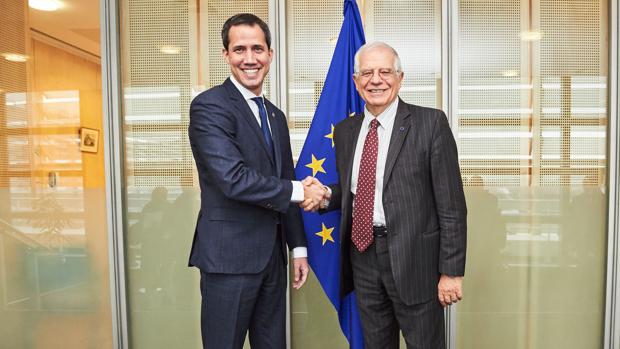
[(75, 23)]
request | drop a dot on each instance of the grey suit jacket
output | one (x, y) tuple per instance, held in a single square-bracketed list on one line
[(423, 200)]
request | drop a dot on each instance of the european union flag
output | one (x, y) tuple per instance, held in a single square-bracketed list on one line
[(338, 100)]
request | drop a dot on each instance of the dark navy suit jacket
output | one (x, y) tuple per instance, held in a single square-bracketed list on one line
[(245, 192)]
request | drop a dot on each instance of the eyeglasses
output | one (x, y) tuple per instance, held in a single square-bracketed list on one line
[(384, 73)]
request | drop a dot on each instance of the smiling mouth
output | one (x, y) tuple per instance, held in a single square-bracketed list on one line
[(251, 72), (377, 91)]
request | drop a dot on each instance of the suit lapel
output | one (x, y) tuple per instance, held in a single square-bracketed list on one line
[(354, 132), (275, 135), (242, 106), (350, 134), (401, 127)]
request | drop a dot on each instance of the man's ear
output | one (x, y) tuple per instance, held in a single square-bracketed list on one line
[(225, 54), (357, 87)]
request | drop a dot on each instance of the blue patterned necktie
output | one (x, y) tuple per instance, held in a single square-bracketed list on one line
[(262, 112)]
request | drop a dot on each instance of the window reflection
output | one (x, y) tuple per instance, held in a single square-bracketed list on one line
[(54, 290), (532, 131)]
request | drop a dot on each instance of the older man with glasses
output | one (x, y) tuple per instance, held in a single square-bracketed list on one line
[(403, 228)]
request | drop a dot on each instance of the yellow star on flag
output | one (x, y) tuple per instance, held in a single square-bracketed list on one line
[(331, 135), (326, 234), (316, 165)]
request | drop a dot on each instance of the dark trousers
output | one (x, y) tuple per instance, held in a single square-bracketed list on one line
[(233, 304), (383, 313)]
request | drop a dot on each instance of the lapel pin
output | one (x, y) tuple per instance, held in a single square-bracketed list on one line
[(402, 128), (273, 115)]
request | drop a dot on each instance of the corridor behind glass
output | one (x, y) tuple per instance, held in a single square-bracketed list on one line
[(54, 275)]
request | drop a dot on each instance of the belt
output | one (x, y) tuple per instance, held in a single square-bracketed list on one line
[(379, 231)]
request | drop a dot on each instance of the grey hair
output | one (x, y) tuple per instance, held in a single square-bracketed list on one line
[(374, 45)]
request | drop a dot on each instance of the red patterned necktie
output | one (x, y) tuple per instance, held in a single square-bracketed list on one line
[(361, 232)]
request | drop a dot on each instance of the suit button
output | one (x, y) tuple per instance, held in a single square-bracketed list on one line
[(269, 206)]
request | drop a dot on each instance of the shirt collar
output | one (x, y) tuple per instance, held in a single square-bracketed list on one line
[(247, 94), (385, 118)]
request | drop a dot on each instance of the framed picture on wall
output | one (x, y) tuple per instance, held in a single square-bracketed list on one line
[(89, 139)]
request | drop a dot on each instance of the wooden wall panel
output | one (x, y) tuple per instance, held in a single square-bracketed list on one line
[(58, 70)]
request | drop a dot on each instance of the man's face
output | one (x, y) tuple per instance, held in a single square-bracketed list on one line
[(248, 56), (377, 82)]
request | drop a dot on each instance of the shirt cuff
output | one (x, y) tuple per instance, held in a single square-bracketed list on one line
[(325, 201), (300, 252), (297, 195)]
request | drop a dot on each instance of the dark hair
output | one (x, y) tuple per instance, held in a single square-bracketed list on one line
[(244, 19)]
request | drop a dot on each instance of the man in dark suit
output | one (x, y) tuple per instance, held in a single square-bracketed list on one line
[(248, 212), (403, 228)]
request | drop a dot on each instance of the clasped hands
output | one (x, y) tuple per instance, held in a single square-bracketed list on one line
[(314, 194)]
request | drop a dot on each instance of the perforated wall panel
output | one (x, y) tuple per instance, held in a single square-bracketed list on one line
[(417, 38), (318, 23), (492, 121), (157, 92), (573, 108), (532, 91), (162, 78), (218, 12), (413, 28), (13, 97)]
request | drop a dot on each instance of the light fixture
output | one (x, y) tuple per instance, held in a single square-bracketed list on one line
[(510, 73), (531, 35), (15, 57), (152, 95), (170, 50), (49, 100), (45, 5)]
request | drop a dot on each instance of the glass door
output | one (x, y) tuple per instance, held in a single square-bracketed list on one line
[(54, 277), (531, 121)]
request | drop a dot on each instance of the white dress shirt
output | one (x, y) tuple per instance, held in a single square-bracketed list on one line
[(384, 133), (298, 190)]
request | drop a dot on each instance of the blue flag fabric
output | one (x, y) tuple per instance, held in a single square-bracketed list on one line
[(338, 100)]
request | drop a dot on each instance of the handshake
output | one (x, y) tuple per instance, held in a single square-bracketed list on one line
[(316, 195)]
